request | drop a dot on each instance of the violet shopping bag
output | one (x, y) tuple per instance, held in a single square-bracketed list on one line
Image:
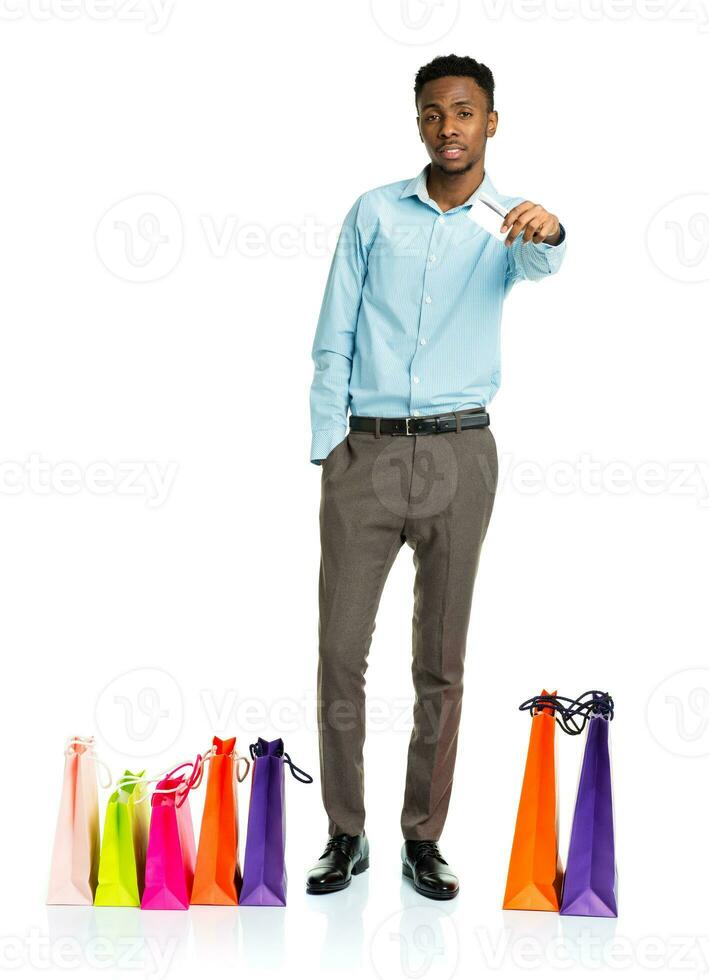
[(75, 855), (121, 870), (265, 879), (590, 884), (170, 860)]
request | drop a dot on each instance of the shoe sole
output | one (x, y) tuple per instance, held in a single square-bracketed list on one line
[(426, 892), (361, 866)]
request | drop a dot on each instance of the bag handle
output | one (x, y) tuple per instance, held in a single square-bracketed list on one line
[(304, 777), (237, 760), (185, 785), (572, 714), (130, 782), (256, 750), (198, 770), (89, 743)]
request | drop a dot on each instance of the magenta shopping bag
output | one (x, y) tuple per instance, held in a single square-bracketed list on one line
[(590, 884), (170, 860), (74, 869), (265, 879)]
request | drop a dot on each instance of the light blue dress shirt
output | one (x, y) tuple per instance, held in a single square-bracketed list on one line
[(410, 318)]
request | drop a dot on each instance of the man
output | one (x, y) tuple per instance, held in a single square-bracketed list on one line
[(408, 340)]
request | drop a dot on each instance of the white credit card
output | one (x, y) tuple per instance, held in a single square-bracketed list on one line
[(489, 214)]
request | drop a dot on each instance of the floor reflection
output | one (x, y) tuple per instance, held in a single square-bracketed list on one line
[(343, 943), (77, 921), (217, 933), (263, 936), (418, 938), (127, 938), (568, 938), (586, 937), (520, 925)]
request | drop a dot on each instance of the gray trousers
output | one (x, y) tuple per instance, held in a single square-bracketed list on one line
[(436, 493)]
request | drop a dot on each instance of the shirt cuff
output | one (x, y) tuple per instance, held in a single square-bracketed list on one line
[(561, 238), (324, 441)]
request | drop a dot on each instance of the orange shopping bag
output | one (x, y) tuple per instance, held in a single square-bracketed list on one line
[(535, 875), (217, 876)]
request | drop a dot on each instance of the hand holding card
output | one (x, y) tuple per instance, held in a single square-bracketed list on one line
[(489, 214), (530, 220), (534, 223)]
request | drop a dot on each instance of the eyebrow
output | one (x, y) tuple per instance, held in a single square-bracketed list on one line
[(435, 105)]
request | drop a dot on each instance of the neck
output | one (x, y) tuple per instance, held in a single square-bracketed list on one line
[(451, 190)]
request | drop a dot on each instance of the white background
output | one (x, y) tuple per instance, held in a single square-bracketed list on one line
[(253, 128)]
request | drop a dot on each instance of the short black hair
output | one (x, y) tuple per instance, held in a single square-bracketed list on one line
[(452, 64)]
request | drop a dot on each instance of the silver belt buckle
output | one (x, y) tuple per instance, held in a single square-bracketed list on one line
[(409, 418)]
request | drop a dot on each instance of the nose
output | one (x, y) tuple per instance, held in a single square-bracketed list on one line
[(448, 127)]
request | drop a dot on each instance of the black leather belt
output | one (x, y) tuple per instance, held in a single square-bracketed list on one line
[(416, 426)]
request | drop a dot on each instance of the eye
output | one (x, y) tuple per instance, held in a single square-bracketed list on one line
[(466, 113)]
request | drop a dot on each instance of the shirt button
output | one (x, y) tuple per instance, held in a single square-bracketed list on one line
[(416, 379), (423, 341), (432, 258), (428, 299), (416, 412), (441, 220)]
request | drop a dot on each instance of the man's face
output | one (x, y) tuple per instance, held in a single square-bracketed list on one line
[(454, 122)]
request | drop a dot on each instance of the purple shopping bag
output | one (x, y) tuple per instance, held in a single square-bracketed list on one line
[(265, 879), (590, 883)]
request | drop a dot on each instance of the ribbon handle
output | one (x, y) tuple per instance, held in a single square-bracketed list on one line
[(572, 714), (304, 777), (256, 750), (238, 759), (186, 783), (88, 743)]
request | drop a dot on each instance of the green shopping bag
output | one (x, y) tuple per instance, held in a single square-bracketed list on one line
[(121, 870)]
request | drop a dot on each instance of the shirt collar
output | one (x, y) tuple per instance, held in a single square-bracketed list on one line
[(417, 187)]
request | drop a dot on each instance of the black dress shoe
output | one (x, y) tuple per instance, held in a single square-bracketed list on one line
[(343, 857), (422, 862)]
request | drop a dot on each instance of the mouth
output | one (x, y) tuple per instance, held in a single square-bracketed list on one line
[(451, 151)]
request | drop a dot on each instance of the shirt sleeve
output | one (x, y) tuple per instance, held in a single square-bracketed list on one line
[(532, 261), (333, 346)]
